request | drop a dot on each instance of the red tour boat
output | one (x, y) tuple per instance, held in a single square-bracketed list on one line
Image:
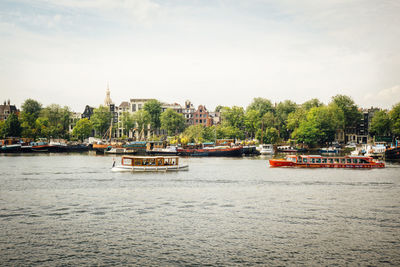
[(316, 161)]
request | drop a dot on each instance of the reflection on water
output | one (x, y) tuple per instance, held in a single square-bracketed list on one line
[(72, 210)]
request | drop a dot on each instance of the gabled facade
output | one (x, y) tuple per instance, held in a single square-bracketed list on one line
[(7, 109), (202, 117)]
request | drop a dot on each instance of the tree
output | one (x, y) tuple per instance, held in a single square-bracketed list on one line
[(153, 108), (28, 116), (142, 120), (194, 133), (320, 125), (380, 124), (82, 129), (101, 119), (233, 116), (58, 120), (350, 111), (252, 122), (12, 127), (219, 108), (312, 103), (395, 119), (127, 122), (230, 132), (270, 135), (282, 111), (262, 105), (172, 121)]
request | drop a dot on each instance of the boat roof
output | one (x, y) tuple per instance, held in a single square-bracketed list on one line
[(151, 157)]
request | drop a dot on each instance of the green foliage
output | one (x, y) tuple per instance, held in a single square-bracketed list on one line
[(380, 124), (219, 108), (282, 111), (294, 118), (194, 134), (262, 105), (312, 103), (233, 117), (229, 132), (28, 116), (127, 122), (142, 120), (319, 126), (12, 127), (270, 136), (395, 118), (252, 122), (82, 129), (268, 120), (58, 120), (101, 119), (350, 110), (153, 108), (172, 121)]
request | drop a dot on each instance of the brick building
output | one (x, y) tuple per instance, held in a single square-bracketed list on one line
[(201, 116)]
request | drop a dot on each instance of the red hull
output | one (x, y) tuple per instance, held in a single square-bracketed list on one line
[(326, 162)]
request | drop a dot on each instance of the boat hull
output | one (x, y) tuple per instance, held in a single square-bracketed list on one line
[(150, 168), (392, 153), (281, 163), (225, 152)]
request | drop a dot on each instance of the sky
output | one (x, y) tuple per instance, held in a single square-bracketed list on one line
[(213, 53)]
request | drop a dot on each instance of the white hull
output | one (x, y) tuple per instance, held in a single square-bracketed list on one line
[(149, 168)]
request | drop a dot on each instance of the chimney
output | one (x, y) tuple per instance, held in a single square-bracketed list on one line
[(8, 102)]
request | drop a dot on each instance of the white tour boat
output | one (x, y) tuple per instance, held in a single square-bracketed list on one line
[(142, 163), (266, 149)]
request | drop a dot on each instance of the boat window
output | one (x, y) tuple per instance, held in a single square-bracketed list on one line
[(355, 160), (159, 162), (127, 162), (348, 160), (330, 160), (324, 160), (312, 160), (305, 160), (138, 162), (363, 161), (318, 160), (337, 160), (343, 161)]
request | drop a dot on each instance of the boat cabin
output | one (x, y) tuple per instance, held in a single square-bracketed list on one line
[(149, 161), (317, 159)]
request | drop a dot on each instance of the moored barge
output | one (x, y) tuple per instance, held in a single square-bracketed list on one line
[(317, 161)]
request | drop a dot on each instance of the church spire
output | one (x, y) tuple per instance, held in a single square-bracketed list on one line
[(107, 101)]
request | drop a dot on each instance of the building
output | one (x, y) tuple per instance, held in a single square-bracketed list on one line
[(7, 109), (216, 117), (175, 106), (88, 112), (73, 119), (202, 117), (362, 129), (188, 112)]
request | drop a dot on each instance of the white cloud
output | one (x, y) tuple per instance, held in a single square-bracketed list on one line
[(384, 98)]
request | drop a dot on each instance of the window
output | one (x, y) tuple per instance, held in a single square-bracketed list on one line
[(201, 121), (133, 107), (324, 160), (139, 106), (197, 120), (318, 160), (348, 160)]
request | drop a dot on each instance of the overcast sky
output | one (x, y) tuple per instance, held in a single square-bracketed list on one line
[(210, 52)]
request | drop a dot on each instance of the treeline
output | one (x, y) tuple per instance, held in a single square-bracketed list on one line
[(310, 123)]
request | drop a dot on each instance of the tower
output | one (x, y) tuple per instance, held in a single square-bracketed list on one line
[(107, 100)]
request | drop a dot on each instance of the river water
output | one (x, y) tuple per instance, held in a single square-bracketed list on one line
[(70, 209)]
